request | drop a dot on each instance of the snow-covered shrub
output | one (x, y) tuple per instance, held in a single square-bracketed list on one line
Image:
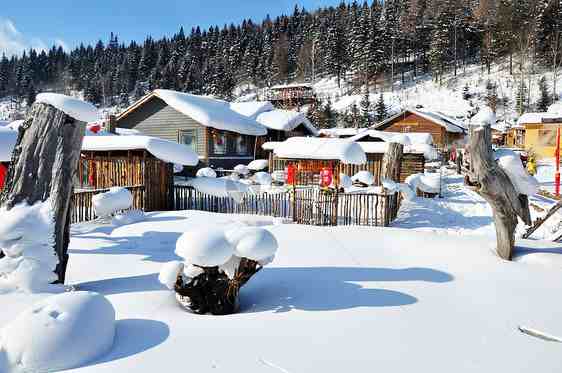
[(363, 177), (242, 169), (61, 332), (218, 261), (395, 187), (27, 240), (108, 203), (263, 178), (219, 187), (427, 183), (206, 172), (258, 164)]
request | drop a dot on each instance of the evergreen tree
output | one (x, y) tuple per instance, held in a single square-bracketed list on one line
[(521, 99), (544, 100), (381, 112), (365, 106)]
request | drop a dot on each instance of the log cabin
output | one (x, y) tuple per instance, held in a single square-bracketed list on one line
[(220, 136), (290, 96), (444, 129)]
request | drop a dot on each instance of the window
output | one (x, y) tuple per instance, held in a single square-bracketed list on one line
[(189, 138), (547, 137), (219, 143), (242, 146)]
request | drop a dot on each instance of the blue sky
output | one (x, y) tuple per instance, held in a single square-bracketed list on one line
[(40, 23)]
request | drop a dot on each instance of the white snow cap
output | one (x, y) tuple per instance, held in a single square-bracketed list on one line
[(211, 112), (428, 183), (60, 332), (412, 137), (169, 273), (252, 242), (251, 108), (556, 108), (263, 178), (241, 169), (270, 145), (8, 139), (285, 120), (364, 177), (484, 117), (344, 150), (510, 162), (164, 150), (207, 247), (116, 199), (73, 107), (258, 164), (206, 172), (128, 217), (219, 187)]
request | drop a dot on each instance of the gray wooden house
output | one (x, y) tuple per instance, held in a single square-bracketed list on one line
[(220, 136)]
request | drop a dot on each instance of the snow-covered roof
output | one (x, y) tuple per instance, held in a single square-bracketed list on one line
[(346, 151), (556, 108), (413, 137), (8, 140), (428, 150), (73, 107), (338, 132), (251, 108), (270, 145), (165, 150), (285, 120), (207, 111), (449, 123), (292, 85), (535, 118)]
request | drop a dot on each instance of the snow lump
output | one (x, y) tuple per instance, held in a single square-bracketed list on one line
[(206, 247), (73, 107)]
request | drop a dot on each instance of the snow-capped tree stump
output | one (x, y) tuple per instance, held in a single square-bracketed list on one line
[(213, 291), (392, 161), (495, 186), (44, 163)]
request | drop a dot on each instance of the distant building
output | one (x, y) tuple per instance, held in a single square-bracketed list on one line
[(290, 96), (539, 133)]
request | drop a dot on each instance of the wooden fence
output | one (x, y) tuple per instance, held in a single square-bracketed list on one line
[(82, 208), (303, 206)]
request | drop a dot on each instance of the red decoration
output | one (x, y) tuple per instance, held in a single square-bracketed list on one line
[(3, 173), (290, 171), (326, 177), (94, 127)]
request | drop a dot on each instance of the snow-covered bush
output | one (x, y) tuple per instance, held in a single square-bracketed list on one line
[(242, 170), (61, 332), (108, 203), (206, 172), (427, 183), (263, 178), (27, 240), (218, 261), (363, 177), (258, 164), (219, 187), (395, 187)]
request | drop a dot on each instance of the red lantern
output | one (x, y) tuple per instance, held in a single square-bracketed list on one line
[(3, 173), (326, 177), (290, 171)]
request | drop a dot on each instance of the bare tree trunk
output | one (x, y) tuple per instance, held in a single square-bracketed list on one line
[(498, 190), (44, 163), (392, 161)]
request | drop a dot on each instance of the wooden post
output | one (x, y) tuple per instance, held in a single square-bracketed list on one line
[(392, 161), (44, 164), (498, 190)]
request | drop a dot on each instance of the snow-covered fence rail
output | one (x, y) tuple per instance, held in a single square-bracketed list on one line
[(82, 208), (303, 206)]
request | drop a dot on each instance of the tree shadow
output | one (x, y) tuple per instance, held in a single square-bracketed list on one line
[(134, 336), (121, 285), (330, 288)]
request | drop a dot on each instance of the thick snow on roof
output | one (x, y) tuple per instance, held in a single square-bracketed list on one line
[(321, 148), (270, 145), (534, 118), (449, 123), (211, 112), (8, 140), (285, 120), (292, 85), (484, 117), (251, 108), (73, 107), (414, 138), (429, 151), (337, 132), (556, 108), (165, 150)]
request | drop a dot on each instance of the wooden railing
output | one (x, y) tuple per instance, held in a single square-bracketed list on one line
[(310, 206), (82, 208)]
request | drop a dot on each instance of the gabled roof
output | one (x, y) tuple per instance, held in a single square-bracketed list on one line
[(537, 118), (207, 111), (346, 151), (413, 137), (251, 108), (341, 131), (285, 120), (292, 85), (450, 124)]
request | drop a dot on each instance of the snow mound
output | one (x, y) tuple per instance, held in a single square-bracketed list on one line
[(165, 150), (108, 203), (263, 178), (345, 181), (207, 247), (251, 108), (427, 183), (128, 217), (395, 187), (60, 332), (258, 164), (364, 177), (252, 242), (241, 169), (510, 162), (211, 113), (285, 120), (169, 273), (73, 107), (206, 172), (219, 187), (484, 117), (555, 108), (321, 148), (8, 139), (26, 238)]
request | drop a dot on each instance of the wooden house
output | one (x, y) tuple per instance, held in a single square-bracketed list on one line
[(540, 132), (8, 138), (220, 136), (444, 129), (290, 96)]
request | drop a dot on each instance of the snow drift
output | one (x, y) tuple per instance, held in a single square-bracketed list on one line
[(108, 203)]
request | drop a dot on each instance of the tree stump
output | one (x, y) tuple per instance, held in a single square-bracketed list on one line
[(392, 161), (497, 189), (44, 162)]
